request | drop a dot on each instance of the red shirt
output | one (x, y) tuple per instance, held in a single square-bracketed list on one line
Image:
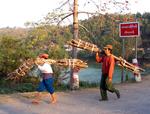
[(108, 64)]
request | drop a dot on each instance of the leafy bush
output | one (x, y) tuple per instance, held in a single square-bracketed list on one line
[(12, 53)]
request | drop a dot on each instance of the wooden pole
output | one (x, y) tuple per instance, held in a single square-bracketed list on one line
[(136, 47), (75, 36), (123, 55)]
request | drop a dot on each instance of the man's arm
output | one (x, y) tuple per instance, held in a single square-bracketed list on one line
[(111, 68), (98, 59)]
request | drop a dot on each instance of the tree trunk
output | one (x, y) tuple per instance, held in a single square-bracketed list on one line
[(73, 83)]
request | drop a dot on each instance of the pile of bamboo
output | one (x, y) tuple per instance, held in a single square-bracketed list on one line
[(63, 62), (91, 47), (39, 61), (28, 64), (83, 45), (71, 63), (127, 65), (21, 71)]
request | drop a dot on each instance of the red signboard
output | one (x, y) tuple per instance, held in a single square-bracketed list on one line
[(130, 29)]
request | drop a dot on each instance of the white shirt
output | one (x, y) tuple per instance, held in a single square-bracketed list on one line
[(45, 68)]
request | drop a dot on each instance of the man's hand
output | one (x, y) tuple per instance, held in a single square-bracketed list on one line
[(97, 50), (97, 53), (39, 61)]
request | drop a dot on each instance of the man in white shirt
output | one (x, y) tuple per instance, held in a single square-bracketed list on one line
[(47, 80)]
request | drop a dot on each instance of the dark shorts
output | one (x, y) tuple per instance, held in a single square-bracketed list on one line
[(46, 84)]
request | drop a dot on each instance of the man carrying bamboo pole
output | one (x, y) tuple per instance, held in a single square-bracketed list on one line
[(47, 80), (108, 64)]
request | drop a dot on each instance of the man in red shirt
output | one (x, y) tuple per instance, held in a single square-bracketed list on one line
[(108, 64)]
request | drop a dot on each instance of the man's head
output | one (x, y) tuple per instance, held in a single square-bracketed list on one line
[(44, 56), (108, 49)]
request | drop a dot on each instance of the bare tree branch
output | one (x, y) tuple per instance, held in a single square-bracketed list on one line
[(66, 16), (58, 16)]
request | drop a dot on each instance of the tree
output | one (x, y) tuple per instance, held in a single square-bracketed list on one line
[(12, 53)]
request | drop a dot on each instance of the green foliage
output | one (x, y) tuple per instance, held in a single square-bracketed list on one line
[(25, 87), (84, 84), (145, 28), (48, 39), (104, 29), (62, 87), (12, 52), (29, 79), (27, 84)]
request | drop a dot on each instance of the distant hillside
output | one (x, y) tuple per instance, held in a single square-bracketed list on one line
[(15, 32)]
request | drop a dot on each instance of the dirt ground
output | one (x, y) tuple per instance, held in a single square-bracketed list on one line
[(135, 99)]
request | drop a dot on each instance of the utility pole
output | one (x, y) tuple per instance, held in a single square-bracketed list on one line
[(74, 84)]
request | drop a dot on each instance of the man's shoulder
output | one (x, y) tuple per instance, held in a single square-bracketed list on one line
[(111, 56), (46, 64)]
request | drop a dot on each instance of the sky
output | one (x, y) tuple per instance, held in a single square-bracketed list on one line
[(14, 13)]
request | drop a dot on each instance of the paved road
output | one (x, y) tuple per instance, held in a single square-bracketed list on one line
[(135, 99)]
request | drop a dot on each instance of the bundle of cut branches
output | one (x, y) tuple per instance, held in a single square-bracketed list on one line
[(63, 62), (72, 63), (83, 45), (91, 47), (22, 70), (28, 64), (39, 61), (127, 65)]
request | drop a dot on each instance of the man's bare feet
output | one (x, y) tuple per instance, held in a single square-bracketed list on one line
[(53, 101)]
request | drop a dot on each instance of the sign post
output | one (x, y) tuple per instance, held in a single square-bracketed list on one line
[(123, 54), (129, 29)]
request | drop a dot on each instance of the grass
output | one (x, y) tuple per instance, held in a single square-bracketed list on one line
[(84, 84), (24, 87), (8, 87)]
